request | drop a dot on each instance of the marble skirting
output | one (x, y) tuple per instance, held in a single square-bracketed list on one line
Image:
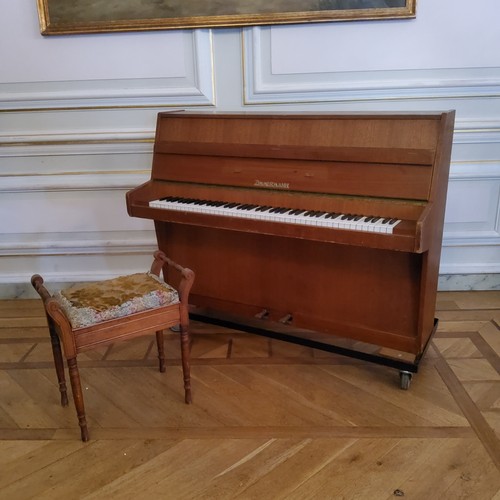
[(447, 282), (460, 282)]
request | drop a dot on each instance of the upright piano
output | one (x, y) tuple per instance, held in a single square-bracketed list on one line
[(325, 228)]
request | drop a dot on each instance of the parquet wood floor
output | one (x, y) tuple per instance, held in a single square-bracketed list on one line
[(269, 420)]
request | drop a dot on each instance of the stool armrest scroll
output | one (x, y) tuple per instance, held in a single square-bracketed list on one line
[(187, 274), (37, 282), (56, 314)]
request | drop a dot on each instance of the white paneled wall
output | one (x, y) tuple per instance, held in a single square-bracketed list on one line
[(77, 120)]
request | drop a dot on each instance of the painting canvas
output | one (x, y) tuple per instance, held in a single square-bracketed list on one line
[(97, 16)]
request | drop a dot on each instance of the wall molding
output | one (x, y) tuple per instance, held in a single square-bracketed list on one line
[(73, 181), (194, 88), (68, 143), (67, 258), (141, 142), (73, 243), (261, 86), (61, 143), (140, 244)]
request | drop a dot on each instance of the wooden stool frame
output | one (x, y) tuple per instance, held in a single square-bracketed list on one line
[(76, 340)]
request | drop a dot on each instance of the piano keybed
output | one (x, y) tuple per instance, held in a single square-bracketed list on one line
[(315, 218)]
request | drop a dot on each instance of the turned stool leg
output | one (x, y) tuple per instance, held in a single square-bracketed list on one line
[(161, 350), (185, 355), (59, 364), (76, 386)]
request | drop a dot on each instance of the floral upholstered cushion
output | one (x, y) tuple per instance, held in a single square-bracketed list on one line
[(93, 303)]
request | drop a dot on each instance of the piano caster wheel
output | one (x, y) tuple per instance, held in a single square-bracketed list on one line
[(405, 380)]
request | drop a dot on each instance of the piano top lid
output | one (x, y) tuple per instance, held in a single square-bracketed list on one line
[(422, 114)]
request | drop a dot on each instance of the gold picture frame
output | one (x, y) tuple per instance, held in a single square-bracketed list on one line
[(61, 17)]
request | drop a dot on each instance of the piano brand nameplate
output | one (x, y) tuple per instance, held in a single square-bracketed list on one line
[(272, 184)]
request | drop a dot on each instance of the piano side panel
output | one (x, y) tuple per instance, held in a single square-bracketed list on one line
[(359, 293), (433, 231)]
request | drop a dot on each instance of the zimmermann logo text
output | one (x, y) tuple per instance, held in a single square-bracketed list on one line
[(270, 184)]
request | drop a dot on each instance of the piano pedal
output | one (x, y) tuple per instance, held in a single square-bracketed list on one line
[(264, 314), (286, 320)]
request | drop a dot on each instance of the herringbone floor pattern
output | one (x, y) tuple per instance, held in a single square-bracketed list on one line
[(269, 420)]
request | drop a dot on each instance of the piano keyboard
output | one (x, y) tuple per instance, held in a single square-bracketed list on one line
[(353, 222)]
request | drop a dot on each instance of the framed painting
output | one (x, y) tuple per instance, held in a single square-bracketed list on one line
[(58, 17)]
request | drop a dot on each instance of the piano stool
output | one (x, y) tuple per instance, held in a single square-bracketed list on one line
[(86, 316)]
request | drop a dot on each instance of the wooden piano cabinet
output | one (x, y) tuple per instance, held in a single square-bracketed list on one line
[(365, 294), (331, 288)]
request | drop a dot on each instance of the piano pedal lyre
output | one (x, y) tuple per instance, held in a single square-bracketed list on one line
[(264, 314), (287, 319)]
